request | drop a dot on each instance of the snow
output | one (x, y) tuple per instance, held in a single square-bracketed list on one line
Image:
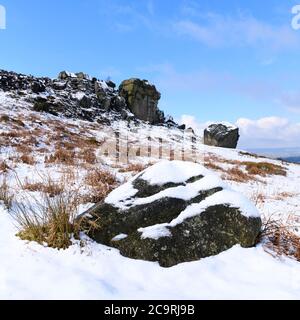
[(71, 74), (175, 172), (155, 232), (78, 95), (187, 192), (229, 125), (30, 271), (227, 197), (94, 271), (124, 192), (179, 172), (119, 237), (123, 196), (103, 85)]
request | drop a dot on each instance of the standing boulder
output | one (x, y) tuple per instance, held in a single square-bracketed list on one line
[(142, 99), (221, 135), (64, 75), (37, 87), (173, 212), (82, 76)]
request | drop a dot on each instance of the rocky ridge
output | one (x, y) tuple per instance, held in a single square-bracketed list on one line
[(80, 96)]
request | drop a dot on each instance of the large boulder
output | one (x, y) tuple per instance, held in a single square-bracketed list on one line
[(142, 99), (64, 75), (37, 87), (221, 135), (173, 212)]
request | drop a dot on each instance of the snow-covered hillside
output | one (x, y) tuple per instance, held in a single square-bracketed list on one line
[(36, 146)]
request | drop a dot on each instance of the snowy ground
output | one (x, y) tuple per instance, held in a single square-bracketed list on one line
[(31, 271)]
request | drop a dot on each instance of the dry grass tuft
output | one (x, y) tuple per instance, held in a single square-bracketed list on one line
[(14, 134), (23, 148), (49, 186), (5, 118), (27, 159), (101, 183), (237, 175), (264, 168), (279, 237), (4, 167), (213, 166), (62, 156), (258, 197), (6, 195), (88, 156), (138, 167), (51, 220), (285, 195), (93, 142), (211, 157)]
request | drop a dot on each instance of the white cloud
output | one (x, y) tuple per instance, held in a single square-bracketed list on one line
[(268, 132), (191, 121), (266, 124), (241, 30)]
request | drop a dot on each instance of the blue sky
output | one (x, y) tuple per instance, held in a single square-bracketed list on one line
[(212, 60)]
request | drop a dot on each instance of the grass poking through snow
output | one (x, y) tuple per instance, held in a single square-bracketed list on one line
[(6, 196), (49, 220), (280, 238)]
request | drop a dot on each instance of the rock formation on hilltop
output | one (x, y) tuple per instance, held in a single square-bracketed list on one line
[(142, 99), (80, 96)]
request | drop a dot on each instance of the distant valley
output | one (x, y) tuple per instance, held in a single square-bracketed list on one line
[(286, 154)]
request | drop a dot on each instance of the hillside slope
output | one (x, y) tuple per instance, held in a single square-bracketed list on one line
[(94, 158)]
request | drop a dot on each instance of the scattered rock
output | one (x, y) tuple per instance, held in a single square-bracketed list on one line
[(45, 105), (59, 85), (111, 84), (86, 102), (77, 95), (221, 135), (142, 99), (37, 87), (190, 130), (64, 75), (173, 212), (82, 76)]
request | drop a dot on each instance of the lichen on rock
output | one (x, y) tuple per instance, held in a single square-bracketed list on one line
[(174, 218)]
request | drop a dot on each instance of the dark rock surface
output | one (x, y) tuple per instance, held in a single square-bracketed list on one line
[(77, 95), (142, 99), (150, 215), (221, 135)]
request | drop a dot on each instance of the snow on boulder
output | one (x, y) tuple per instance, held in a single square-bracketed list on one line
[(223, 135), (173, 212)]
